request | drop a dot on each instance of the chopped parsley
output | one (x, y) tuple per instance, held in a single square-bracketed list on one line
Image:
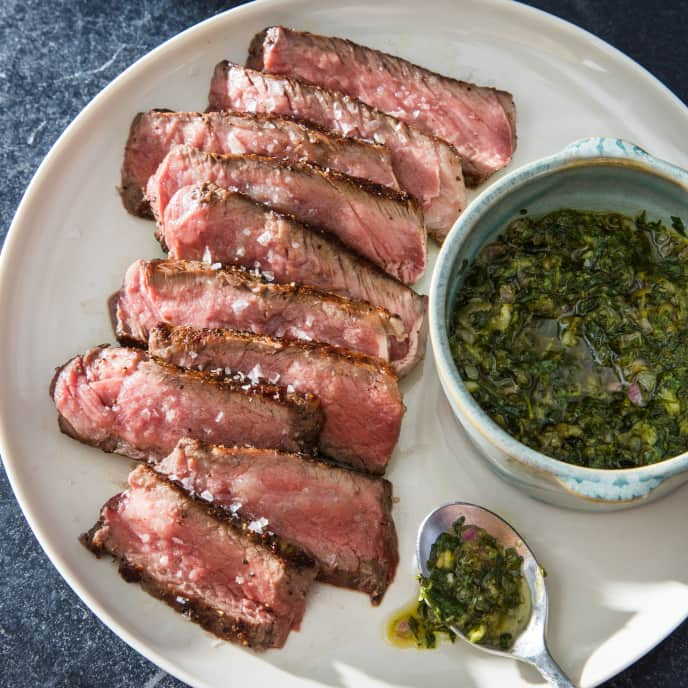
[(475, 585)]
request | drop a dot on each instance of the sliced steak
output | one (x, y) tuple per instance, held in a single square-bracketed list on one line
[(123, 401), (478, 121), (340, 517), (425, 166), (380, 224), (199, 295), (207, 222), (153, 133), (360, 398), (242, 586)]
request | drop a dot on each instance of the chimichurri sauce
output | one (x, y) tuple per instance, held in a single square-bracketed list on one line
[(571, 332), (475, 585)]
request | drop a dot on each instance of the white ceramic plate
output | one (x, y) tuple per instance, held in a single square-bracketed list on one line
[(618, 582)]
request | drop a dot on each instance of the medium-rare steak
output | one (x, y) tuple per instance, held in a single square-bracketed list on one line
[(478, 121), (360, 398), (205, 221), (153, 133), (199, 295), (425, 166), (340, 517), (242, 586), (380, 224), (123, 401)]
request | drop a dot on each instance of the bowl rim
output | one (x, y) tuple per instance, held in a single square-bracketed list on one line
[(595, 151)]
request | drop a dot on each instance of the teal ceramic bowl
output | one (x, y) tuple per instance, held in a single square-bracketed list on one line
[(594, 174)]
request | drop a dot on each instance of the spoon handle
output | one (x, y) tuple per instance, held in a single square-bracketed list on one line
[(551, 671)]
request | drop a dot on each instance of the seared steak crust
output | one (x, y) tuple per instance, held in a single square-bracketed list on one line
[(479, 121), (206, 564), (124, 401), (205, 221), (427, 167), (153, 133), (361, 402), (200, 295), (381, 224), (342, 518)]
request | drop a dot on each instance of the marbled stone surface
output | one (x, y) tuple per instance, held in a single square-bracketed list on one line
[(54, 57)]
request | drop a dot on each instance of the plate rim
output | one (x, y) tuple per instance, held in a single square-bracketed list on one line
[(61, 146)]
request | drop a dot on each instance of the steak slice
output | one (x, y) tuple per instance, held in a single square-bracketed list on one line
[(153, 133), (242, 586), (124, 401), (479, 121), (360, 398), (205, 221), (199, 295), (425, 166), (380, 224), (340, 517)]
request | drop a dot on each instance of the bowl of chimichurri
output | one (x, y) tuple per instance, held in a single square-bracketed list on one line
[(559, 323)]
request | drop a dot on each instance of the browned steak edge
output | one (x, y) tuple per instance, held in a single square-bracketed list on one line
[(193, 336), (65, 426), (133, 194), (253, 281), (212, 194), (375, 586), (306, 405), (310, 168), (195, 609), (225, 65), (255, 61)]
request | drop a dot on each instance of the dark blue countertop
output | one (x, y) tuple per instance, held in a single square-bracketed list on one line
[(54, 57)]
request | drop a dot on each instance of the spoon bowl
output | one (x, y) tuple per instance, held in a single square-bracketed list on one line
[(530, 645)]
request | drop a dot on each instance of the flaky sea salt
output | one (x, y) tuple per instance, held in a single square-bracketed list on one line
[(239, 305), (258, 525), (255, 374)]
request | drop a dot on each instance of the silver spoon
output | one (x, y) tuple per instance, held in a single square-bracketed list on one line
[(530, 646)]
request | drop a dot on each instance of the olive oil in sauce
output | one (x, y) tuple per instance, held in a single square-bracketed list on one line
[(475, 585), (398, 630)]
